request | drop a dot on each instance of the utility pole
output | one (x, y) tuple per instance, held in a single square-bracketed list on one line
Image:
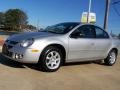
[(38, 24), (106, 14), (88, 14)]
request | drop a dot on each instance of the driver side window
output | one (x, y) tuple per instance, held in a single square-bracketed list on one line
[(85, 31)]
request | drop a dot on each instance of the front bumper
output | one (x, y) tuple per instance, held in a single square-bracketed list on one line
[(26, 54)]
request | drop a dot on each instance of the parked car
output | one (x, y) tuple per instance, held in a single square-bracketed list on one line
[(62, 43)]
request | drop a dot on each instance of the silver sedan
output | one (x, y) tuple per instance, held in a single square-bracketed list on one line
[(61, 43)]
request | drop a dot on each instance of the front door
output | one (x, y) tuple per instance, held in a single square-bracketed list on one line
[(82, 44)]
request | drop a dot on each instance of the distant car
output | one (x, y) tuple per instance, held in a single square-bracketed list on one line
[(64, 42)]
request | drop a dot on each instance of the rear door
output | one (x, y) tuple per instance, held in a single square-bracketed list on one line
[(102, 43)]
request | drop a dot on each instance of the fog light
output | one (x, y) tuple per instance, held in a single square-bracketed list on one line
[(13, 56), (17, 56), (20, 56)]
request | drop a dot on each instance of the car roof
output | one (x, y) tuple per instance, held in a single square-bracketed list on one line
[(79, 23)]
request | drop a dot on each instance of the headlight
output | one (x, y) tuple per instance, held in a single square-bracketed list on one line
[(27, 43)]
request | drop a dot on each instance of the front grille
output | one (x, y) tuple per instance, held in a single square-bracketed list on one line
[(9, 46), (7, 40), (4, 49)]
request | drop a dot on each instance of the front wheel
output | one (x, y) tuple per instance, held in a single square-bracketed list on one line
[(51, 59), (111, 58)]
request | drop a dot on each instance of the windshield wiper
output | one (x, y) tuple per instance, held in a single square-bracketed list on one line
[(52, 32), (43, 31)]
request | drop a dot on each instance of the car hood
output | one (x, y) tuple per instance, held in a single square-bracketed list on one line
[(35, 35)]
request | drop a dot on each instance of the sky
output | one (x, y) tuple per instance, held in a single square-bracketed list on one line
[(50, 12)]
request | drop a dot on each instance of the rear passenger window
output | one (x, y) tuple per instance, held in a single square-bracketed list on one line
[(101, 33)]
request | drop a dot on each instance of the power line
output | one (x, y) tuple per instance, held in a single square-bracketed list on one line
[(116, 10), (116, 2), (114, 7)]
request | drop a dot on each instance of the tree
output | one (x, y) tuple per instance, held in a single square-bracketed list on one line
[(2, 18), (15, 19), (31, 27), (119, 36)]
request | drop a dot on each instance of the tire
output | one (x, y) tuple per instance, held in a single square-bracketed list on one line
[(51, 59), (111, 58)]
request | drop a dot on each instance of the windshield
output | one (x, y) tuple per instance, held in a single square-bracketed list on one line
[(61, 28)]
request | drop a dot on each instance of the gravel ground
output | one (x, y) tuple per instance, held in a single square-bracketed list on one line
[(80, 76)]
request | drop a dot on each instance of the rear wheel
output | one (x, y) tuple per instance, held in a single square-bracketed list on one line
[(111, 58), (51, 59)]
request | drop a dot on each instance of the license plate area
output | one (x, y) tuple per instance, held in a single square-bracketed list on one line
[(5, 51)]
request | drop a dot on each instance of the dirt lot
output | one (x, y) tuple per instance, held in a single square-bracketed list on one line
[(82, 76)]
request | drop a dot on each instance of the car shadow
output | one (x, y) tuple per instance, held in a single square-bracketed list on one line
[(7, 62), (99, 62), (14, 64)]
